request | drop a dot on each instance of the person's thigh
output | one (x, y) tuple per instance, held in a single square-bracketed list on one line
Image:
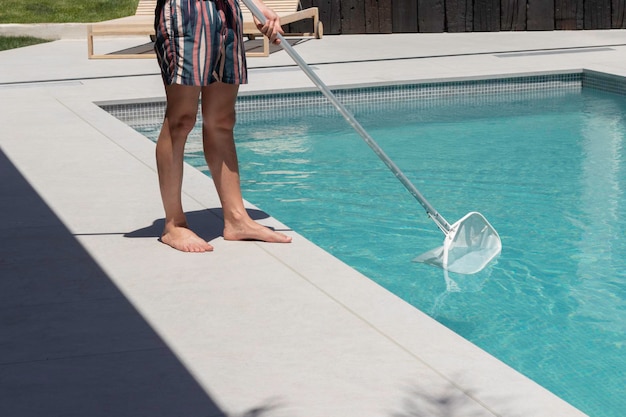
[(218, 103), (182, 101)]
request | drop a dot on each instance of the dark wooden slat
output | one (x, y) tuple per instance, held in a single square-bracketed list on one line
[(371, 16), (617, 14), (377, 16), (513, 15), (568, 14), (540, 15), (431, 16), (459, 15), (352, 16), (486, 15), (597, 14), (330, 16), (385, 16), (404, 16)]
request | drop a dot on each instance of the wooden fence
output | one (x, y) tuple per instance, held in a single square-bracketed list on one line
[(387, 16)]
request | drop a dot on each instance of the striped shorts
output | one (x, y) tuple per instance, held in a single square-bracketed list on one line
[(199, 42)]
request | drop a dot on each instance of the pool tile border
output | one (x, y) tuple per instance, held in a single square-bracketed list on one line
[(609, 83), (360, 98)]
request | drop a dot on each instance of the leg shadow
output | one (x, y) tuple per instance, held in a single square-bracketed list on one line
[(208, 224)]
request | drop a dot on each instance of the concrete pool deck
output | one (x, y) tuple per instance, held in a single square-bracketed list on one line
[(97, 318)]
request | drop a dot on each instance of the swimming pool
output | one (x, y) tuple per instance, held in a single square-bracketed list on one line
[(541, 157)]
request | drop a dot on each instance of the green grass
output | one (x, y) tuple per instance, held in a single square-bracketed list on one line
[(12, 42), (64, 11), (58, 11)]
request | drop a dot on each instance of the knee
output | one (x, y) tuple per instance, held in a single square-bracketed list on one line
[(223, 121), (181, 125)]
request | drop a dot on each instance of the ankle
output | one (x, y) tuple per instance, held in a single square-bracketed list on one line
[(236, 216), (174, 223)]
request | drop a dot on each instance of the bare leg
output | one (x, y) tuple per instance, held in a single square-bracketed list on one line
[(218, 114), (180, 117)]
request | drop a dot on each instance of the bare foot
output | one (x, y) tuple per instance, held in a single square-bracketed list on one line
[(251, 230), (183, 239)]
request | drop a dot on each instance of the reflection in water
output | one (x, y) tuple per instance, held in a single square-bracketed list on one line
[(286, 141), (599, 247), (459, 283)]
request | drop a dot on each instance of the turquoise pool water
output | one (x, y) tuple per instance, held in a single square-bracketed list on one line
[(548, 172)]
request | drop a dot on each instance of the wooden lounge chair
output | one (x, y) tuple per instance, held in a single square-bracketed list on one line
[(141, 23), (288, 12)]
